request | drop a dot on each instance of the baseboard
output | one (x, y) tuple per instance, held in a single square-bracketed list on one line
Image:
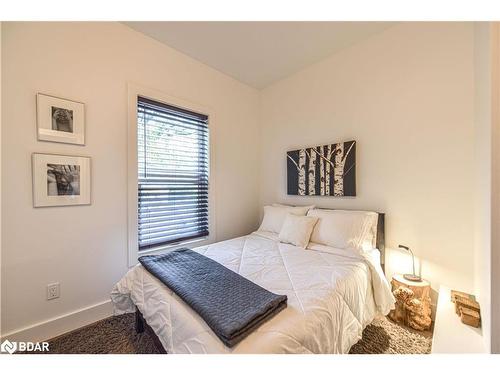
[(62, 324)]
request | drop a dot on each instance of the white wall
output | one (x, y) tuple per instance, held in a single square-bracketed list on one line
[(0, 179), (85, 248), (406, 96), (482, 178), (495, 201)]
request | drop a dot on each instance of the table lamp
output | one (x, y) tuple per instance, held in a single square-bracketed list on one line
[(413, 276)]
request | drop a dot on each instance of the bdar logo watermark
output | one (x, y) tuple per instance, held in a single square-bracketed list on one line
[(8, 347), (12, 346)]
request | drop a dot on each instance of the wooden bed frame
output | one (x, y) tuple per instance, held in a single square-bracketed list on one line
[(141, 326)]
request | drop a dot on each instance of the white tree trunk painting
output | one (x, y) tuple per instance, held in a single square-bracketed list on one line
[(322, 181), (302, 172), (338, 171), (312, 172), (326, 160), (340, 158), (328, 169), (335, 174)]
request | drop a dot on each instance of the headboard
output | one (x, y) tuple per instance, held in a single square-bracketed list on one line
[(380, 241)]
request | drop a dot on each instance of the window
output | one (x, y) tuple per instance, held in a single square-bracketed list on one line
[(173, 174)]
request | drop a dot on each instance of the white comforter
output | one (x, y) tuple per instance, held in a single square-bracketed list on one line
[(332, 295)]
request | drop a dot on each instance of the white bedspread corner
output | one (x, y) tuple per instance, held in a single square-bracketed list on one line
[(384, 299)]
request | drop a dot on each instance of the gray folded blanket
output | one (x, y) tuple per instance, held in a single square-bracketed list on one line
[(231, 305)]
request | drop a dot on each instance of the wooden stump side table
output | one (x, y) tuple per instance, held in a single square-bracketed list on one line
[(413, 303)]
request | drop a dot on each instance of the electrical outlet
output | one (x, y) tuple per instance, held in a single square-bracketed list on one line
[(53, 291)]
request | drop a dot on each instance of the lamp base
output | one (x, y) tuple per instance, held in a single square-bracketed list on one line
[(411, 277)]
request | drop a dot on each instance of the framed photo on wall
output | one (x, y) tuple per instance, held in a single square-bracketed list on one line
[(60, 180), (60, 120)]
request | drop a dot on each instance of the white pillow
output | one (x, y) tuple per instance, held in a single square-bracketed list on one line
[(287, 205), (345, 229), (297, 230), (274, 217)]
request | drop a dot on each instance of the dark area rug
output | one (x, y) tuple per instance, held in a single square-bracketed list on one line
[(116, 335), (383, 336)]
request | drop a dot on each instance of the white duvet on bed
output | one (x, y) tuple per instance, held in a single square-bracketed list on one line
[(332, 295)]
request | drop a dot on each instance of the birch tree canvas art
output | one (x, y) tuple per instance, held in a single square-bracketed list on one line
[(323, 170)]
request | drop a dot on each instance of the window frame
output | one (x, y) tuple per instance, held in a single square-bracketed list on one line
[(134, 91)]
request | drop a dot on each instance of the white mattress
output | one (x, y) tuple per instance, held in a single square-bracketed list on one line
[(332, 295)]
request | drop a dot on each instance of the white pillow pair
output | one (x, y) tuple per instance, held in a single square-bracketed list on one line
[(345, 229), (289, 222), (274, 216), (349, 230), (336, 228)]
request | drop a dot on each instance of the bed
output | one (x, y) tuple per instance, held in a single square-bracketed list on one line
[(332, 296)]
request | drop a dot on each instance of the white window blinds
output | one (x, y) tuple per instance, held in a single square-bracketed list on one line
[(173, 171)]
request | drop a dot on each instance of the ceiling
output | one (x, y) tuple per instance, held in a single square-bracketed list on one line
[(259, 53)]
